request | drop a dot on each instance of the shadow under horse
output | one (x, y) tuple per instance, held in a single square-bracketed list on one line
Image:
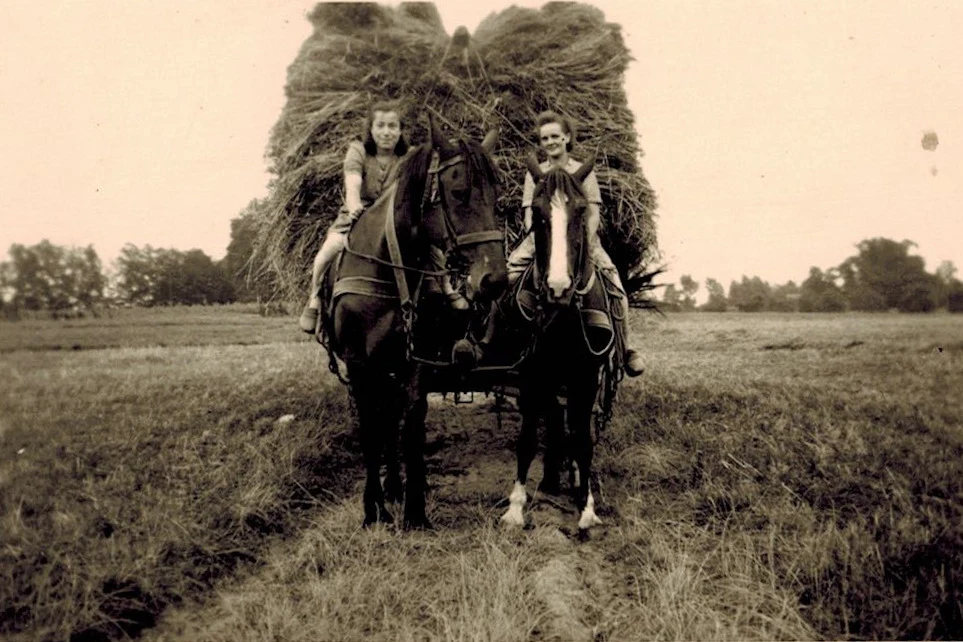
[(444, 196), (561, 304)]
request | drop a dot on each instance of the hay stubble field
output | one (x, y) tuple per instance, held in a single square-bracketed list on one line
[(770, 477)]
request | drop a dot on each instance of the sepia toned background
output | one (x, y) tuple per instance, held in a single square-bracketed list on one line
[(777, 135)]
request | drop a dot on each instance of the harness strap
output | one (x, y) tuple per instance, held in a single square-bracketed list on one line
[(394, 251), (476, 238), (365, 285), (589, 284)]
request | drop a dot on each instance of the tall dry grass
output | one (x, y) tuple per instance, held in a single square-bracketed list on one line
[(771, 477)]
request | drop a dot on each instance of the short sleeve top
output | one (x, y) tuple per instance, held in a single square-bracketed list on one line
[(590, 186), (374, 176)]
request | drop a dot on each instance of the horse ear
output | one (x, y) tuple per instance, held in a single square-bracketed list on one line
[(490, 139), (584, 170), (438, 139), (531, 163)]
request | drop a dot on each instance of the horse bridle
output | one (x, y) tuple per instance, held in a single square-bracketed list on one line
[(432, 202)]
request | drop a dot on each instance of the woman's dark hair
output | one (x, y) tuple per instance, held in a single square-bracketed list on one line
[(370, 147), (568, 126)]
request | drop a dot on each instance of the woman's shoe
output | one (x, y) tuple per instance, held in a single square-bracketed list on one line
[(309, 319), (634, 366)]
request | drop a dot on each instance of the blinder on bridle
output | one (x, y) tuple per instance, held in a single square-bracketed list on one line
[(433, 202)]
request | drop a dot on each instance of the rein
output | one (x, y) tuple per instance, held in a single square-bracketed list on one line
[(454, 242), (431, 202)]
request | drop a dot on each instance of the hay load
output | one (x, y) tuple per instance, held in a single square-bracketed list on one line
[(518, 62)]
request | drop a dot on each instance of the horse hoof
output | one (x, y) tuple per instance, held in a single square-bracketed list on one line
[(417, 524), (513, 518), (583, 535)]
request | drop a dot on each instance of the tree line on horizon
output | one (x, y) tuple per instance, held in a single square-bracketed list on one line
[(881, 276), (70, 281)]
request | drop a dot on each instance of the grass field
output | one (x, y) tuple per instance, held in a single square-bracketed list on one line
[(770, 477)]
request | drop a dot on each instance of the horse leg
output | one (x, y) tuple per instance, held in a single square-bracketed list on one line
[(525, 450), (413, 445), (371, 418), (394, 489), (555, 446), (581, 398)]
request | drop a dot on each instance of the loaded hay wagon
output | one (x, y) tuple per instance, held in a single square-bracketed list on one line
[(519, 62)]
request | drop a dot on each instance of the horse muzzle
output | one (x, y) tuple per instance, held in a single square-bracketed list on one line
[(488, 275), (558, 294)]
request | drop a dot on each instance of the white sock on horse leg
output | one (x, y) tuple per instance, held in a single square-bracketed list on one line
[(516, 501), (589, 518)]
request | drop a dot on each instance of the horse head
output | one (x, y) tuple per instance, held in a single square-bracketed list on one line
[(465, 224), (559, 224)]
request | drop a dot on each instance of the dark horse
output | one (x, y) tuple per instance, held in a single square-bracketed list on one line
[(444, 196), (563, 358)]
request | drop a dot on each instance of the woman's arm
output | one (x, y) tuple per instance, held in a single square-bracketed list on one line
[(353, 176), (352, 192), (528, 192), (590, 187)]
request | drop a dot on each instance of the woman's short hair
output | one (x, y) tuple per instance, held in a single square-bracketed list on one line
[(370, 147), (568, 126)]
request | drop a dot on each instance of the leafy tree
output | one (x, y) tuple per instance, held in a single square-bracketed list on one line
[(784, 298), (885, 276), (671, 299), (249, 283), (86, 274), (202, 281), (945, 280), (8, 295), (52, 277), (137, 274), (954, 297), (689, 288), (750, 295), (156, 276), (946, 272), (717, 297), (819, 293)]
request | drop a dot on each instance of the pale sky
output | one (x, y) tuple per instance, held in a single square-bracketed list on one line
[(777, 135)]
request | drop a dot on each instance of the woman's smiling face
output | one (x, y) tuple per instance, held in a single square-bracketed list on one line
[(385, 129), (553, 139)]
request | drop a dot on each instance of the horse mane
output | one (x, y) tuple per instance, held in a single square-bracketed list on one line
[(557, 179), (413, 179), (413, 172), (479, 162)]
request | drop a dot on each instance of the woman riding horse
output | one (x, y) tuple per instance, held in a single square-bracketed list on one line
[(555, 136), (368, 168), (563, 357), (444, 196)]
